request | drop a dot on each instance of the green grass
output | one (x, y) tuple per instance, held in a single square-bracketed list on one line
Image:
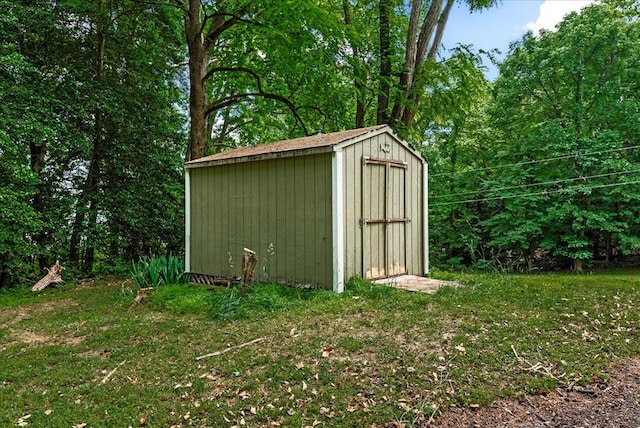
[(373, 355)]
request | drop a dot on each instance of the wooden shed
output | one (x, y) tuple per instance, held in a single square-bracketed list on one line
[(316, 210)]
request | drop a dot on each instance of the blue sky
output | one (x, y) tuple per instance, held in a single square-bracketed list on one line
[(505, 23)]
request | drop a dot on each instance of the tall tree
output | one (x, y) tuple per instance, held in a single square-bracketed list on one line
[(125, 83), (355, 32), (399, 100), (230, 45), (34, 102)]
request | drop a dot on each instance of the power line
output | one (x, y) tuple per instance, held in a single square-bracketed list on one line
[(539, 161), (540, 184), (522, 195)]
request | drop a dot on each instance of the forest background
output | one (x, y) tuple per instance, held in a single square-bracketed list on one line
[(102, 101)]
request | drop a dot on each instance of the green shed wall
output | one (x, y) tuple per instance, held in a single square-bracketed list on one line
[(280, 208), (353, 203)]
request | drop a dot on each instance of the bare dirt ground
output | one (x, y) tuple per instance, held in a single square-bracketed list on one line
[(614, 403)]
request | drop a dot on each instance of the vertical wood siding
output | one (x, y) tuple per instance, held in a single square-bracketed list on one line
[(365, 191), (280, 208)]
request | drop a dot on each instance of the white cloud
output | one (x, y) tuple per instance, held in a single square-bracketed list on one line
[(552, 12)]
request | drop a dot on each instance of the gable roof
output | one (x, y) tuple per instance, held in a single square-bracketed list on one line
[(297, 146)]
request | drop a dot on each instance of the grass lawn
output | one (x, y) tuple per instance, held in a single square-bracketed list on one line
[(370, 357)]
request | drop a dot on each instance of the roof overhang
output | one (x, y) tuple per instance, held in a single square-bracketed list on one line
[(262, 156), (307, 151)]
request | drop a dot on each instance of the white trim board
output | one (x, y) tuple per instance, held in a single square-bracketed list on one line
[(337, 206), (187, 221), (425, 216)]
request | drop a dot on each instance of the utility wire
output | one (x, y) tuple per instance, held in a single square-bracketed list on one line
[(539, 161), (540, 184), (522, 195)]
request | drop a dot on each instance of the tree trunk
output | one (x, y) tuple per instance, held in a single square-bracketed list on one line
[(608, 248), (249, 262), (76, 233), (442, 23), (359, 76), (385, 9), (87, 204), (417, 88), (577, 265), (38, 153), (87, 200), (90, 250), (416, 48), (528, 257), (198, 59)]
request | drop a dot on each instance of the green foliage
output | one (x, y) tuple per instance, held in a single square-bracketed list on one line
[(92, 134), (30, 105), (155, 271), (553, 182), (18, 220), (458, 156), (585, 92), (93, 137)]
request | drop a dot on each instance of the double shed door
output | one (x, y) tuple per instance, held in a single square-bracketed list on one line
[(384, 220)]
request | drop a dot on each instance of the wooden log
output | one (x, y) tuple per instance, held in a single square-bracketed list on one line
[(52, 277), (249, 261)]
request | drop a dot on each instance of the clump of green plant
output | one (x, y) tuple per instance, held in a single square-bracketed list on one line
[(358, 286), (154, 271), (262, 298), (195, 300), (228, 303)]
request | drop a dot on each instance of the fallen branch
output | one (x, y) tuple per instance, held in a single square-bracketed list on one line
[(535, 368), (214, 354), (433, 414), (515, 353), (106, 378), (52, 277)]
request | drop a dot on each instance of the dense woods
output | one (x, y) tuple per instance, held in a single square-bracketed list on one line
[(548, 163), (101, 102)]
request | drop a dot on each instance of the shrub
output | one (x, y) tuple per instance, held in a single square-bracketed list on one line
[(154, 271)]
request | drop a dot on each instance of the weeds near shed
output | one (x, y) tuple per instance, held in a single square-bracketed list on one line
[(227, 303), (361, 287), (154, 271)]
